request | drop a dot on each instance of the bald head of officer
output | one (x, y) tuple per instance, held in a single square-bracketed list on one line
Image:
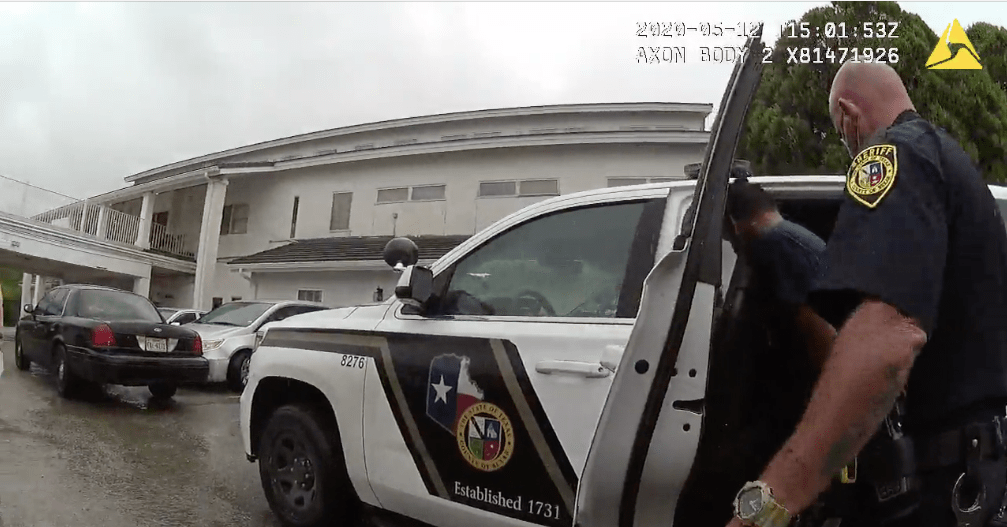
[(866, 98)]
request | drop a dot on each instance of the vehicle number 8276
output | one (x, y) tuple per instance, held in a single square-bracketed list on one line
[(353, 361)]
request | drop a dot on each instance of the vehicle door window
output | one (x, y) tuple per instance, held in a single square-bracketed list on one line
[(52, 304), (59, 301), (43, 305), (301, 309), (185, 318), (586, 262), (285, 312)]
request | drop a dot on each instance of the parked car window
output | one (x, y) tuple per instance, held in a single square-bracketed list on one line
[(568, 264), (42, 308), (235, 314), (99, 304), (185, 318), (289, 311), (167, 312), (55, 308)]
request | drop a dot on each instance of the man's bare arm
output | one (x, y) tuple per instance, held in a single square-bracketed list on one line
[(865, 372), (818, 335)]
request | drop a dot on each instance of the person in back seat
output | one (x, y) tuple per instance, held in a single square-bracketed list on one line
[(784, 256)]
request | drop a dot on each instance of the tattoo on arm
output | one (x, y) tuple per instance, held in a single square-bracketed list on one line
[(843, 450)]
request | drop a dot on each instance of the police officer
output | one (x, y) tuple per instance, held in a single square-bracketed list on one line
[(916, 279)]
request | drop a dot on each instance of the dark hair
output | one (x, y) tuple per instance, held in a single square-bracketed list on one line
[(745, 200)]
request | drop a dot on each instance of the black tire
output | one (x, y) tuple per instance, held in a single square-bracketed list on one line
[(162, 391), (237, 370), (22, 362), (67, 384), (302, 470)]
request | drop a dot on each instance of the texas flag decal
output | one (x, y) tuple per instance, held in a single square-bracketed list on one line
[(450, 390)]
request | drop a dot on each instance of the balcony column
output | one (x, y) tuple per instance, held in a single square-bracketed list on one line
[(26, 279), (37, 294), (85, 211), (146, 217), (209, 239), (141, 284), (102, 222)]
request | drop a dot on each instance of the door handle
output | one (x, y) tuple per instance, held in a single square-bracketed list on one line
[(611, 356), (584, 369)]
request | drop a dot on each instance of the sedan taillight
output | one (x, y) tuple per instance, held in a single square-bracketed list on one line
[(197, 345), (103, 337)]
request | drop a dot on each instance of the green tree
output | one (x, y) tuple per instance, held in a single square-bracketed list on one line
[(991, 44), (789, 130), (10, 292)]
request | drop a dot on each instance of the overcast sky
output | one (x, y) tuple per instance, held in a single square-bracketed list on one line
[(95, 92)]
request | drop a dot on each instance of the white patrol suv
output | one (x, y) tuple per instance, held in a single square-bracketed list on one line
[(580, 362)]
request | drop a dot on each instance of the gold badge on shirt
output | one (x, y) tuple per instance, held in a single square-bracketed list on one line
[(872, 174)]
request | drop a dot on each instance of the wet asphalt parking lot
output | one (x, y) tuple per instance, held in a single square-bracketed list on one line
[(116, 460)]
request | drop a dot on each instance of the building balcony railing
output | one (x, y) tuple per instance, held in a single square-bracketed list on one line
[(90, 219)]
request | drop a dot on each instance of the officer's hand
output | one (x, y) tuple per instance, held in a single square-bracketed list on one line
[(735, 522)]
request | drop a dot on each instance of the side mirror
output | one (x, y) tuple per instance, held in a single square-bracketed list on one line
[(176, 323), (28, 308), (401, 253), (415, 286)]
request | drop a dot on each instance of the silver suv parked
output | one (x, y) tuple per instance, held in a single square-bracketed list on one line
[(228, 334)]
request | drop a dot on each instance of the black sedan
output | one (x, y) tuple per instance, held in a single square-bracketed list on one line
[(98, 335)]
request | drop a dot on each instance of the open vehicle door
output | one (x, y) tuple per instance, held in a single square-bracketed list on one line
[(649, 431)]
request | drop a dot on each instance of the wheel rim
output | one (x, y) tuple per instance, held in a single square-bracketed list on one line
[(61, 371), (245, 364), (292, 474)]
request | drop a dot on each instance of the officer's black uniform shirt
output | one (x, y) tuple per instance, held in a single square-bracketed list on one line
[(920, 230)]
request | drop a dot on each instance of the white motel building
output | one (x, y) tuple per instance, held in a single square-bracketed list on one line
[(307, 217)]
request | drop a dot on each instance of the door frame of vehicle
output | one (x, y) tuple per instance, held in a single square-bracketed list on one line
[(620, 485), (37, 341)]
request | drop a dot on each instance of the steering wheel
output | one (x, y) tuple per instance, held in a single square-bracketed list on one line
[(541, 300)]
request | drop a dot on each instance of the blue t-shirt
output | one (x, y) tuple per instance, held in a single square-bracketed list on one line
[(789, 257)]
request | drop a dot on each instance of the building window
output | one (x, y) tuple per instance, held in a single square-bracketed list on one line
[(528, 187), (393, 195), (217, 302), (235, 299), (234, 219), (497, 188), (340, 218), (419, 193), (428, 192), (293, 217), (624, 181), (539, 187), (309, 295)]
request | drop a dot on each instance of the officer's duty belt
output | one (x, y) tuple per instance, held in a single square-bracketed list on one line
[(950, 448)]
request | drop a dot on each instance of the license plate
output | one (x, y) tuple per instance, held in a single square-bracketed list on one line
[(156, 345)]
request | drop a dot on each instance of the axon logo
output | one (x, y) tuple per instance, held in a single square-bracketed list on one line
[(964, 57)]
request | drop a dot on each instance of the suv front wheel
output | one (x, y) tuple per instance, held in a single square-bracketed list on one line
[(237, 370), (303, 477)]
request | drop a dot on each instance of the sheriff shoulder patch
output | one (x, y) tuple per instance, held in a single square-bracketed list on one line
[(872, 174)]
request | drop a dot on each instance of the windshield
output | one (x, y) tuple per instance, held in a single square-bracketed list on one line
[(115, 305), (167, 311), (235, 314)]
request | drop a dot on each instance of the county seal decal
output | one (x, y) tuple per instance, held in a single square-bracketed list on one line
[(485, 437), (483, 432), (872, 174)]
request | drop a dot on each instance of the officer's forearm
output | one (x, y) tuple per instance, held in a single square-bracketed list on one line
[(866, 370)]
